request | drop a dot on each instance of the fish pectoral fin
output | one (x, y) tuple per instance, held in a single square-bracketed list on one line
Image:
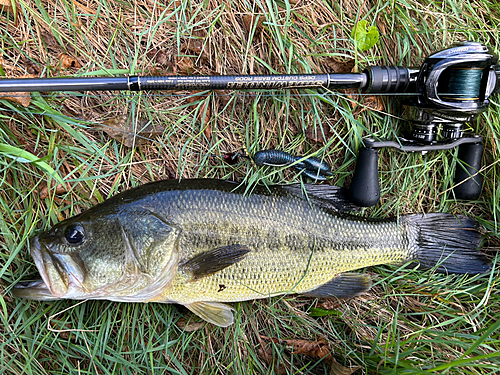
[(213, 312), (345, 285), (215, 260)]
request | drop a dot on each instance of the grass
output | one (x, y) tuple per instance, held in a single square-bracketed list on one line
[(411, 322)]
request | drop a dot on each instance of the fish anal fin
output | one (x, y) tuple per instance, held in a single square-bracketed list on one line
[(213, 261), (345, 285), (213, 312)]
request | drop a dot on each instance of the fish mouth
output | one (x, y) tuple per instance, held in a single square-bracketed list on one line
[(34, 290), (54, 283)]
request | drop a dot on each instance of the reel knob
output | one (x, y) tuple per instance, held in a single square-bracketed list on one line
[(468, 181), (365, 188)]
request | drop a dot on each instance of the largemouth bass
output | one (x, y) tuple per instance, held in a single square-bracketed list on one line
[(200, 243)]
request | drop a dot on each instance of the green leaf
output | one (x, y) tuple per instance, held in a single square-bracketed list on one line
[(23, 156), (322, 312), (365, 36)]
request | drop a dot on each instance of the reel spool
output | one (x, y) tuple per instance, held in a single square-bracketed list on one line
[(454, 86)]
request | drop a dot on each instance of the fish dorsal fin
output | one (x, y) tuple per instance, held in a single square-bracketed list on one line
[(345, 285), (210, 262), (213, 312), (330, 198)]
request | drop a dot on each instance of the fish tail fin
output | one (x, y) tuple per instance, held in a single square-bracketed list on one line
[(448, 241)]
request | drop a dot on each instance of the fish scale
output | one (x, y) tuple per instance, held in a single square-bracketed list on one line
[(203, 242), (295, 255)]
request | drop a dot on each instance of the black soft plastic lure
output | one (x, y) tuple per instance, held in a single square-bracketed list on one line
[(311, 167)]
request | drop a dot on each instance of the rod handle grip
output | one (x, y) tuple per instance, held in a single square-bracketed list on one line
[(365, 188), (468, 181), (388, 79)]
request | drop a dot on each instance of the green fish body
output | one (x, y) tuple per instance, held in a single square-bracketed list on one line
[(200, 243)]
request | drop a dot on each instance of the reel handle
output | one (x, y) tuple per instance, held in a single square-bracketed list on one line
[(365, 188), (467, 179)]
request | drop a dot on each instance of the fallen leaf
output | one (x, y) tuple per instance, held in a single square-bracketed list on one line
[(121, 128), (189, 326), (4, 295), (204, 112), (66, 62), (49, 40), (160, 57), (60, 189), (314, 349), (60, 216), (370, 102), (373, 103), (338, 369), (170, 172), (183, 65), (194, 48), (315, 134), (6, 6), (340, 66), (329, 304), (193, 45), (250, 21), (31, 67), (22, 98), (196, 96), (266, 353)]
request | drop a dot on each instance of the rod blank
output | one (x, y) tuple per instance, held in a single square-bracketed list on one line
[(376, 80), (64, 84), (137, 83)]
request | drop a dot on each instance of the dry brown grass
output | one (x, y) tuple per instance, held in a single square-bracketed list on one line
[(407, 323)]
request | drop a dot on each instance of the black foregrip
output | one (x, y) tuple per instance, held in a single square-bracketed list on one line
[(467, 179), (388, 79), (365, 188)]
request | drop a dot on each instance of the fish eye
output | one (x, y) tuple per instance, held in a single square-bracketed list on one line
[(74, 234)]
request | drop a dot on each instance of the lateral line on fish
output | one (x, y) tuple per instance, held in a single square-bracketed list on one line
[(296, 247), (307, 267)]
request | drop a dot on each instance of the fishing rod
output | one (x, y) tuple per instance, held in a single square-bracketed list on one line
[(451, 88)]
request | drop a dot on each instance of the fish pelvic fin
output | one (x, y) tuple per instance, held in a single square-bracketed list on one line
[(213, 261), (345, 285), (448, 242), (213, 312)]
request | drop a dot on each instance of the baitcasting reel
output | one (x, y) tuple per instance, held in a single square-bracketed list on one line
[(453, 86)]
